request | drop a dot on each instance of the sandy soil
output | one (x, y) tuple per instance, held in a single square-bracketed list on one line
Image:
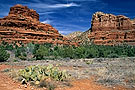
[(7, 83)]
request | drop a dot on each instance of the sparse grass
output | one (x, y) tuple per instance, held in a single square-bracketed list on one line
[(15, 60), (51, 87), (131, 78), (6, 70), (89, 62), (13, 73)]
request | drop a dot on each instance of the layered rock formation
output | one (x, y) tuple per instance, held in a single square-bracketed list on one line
[(22, 25), (82, 38), (73, 34), (108, 29)]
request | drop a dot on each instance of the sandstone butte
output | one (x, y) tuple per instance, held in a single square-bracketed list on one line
[(22, 25), (108, 29)]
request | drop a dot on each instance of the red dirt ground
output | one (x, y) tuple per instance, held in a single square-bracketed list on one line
[(6, 83)]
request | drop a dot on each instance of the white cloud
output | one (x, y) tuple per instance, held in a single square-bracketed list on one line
[(47, 21), (52, 6), (63, 5), (43, 13)]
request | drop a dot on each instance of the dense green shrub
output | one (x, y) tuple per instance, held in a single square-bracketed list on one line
[(9, 47), (80, 52), (22, 57), (3, 55), (87, 51), (20, 52), (68, 52), (55, 53), (46, 51), (36, 46), (6, 46), (112, 55), (30, 47), (41, 52)]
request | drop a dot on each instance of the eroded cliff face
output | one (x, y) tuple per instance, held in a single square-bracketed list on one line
[(108, 29), (73, 35), (82, 38), (22, 25)]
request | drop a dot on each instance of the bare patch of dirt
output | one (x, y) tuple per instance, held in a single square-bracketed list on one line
[(7, 83)]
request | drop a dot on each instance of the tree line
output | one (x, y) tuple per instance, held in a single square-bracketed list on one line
[(49, 51)]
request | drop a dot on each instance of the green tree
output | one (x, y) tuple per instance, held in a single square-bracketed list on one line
[(80, 52), (55, 53), (68, 52), (41, 52), (92, 52), (30, 47), (17, 52)]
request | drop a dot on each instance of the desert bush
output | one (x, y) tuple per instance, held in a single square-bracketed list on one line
[(112, 55), (6, 46), (36, 47), (30, 47), (68, 52), (9, 47), (15, 60), (41, 52), (20, 53), (17, 52), (48, 85), (3, 55), (80, 52), (55, 53), (22, 57), (89, 62), (48, 45)]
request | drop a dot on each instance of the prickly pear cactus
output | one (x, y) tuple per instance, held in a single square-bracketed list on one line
[(39, 73)]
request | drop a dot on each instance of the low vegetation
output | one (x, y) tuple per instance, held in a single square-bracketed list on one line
[(39, 73), (49, 51), (42, 76), (3, 55)]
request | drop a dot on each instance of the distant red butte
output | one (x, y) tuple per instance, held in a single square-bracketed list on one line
[(108, 29), (22, 25)]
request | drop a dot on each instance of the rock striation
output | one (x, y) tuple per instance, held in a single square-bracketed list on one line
[(73, 35), (82, 38), (22, 25), (108, 29)]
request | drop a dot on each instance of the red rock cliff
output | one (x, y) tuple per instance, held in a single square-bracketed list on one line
[(22, 26), (108, 29)]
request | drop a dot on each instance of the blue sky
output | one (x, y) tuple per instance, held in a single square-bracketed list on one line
[(71, 15)]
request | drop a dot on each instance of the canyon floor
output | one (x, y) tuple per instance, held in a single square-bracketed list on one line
[(86, 74)]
